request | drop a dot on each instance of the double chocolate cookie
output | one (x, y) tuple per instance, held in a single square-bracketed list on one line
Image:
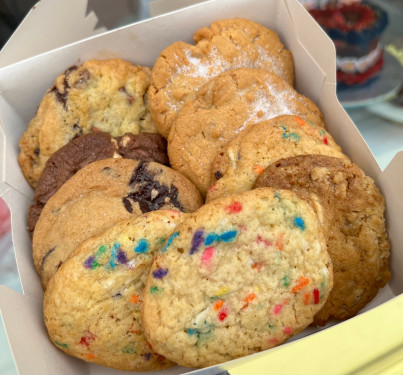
[(86, 149)]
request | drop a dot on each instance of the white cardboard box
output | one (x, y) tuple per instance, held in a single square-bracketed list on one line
[(23, 84)]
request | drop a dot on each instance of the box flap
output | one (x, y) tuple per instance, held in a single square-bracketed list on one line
[(54, 21), (22, 317)]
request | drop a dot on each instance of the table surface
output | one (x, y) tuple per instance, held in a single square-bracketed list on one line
[(384, 137)]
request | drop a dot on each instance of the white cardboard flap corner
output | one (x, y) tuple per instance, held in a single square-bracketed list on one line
[(141, 43)]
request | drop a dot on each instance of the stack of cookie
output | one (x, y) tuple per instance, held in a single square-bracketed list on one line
[(140, 274)]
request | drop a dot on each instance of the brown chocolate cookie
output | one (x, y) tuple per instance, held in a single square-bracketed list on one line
[(351, 210), (99, 195), (104, 95), (86, 149)]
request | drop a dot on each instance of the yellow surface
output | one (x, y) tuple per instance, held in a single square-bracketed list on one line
[(369, 344)]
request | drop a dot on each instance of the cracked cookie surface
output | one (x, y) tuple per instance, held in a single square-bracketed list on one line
[(92, 305), (99, 195), (240, 275), (227, 44), (351, 210), (105, 95)]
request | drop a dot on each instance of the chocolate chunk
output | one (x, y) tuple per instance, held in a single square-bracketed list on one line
[(130, 98), (37, 151), (46, 256), (217, 175), (144, 146), (149, 193), (89, 148)]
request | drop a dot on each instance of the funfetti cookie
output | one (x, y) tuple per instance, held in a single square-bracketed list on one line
[(245, 157), (98, 196), (92, 305), (240, 275), (351, 210), (227, 44), (226, 106), (86, 149), (105, 95)]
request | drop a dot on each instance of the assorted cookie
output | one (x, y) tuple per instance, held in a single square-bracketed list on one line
[(104, 95), (245, 273), (351, 211), (238, 164), (98, 196), (227, 106), (139, 273), (98, 319), (183, 68)]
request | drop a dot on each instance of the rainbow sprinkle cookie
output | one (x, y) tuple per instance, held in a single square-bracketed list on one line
[(245, 157), (227, 44), (105, 95), (225, 107), (351, 210), (240, 275), (92, 304), (98, 196)]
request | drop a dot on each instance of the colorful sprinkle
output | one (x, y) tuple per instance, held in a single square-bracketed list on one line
[(142, 246), (286, 280), (90, 356), (134, 298), (249, 298), (207, 255), (212, 187), (280, 241), (316, 296), (160, 273), (61, 344), (191, 331), (89, 262), (277, 309), (197, 240), (287, 330), (234, 208), (121, 257), (298, 222), (277, 196), (211, 237), (273, 341), (301, 283), (222, 291), (263, 241), (155, 290), (300, 121), (228, 236), (257, 266), (128, 349), (258, 170), (325, 141), (169, 242), (218, 304), (307, 298), (147, 356), (222, 315)]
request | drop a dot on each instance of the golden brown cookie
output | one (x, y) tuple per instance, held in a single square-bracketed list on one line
[(225, 107), (238, 164), (105, 95), (243, 274), (92, 304), (98, 196), (227, 44), (351, 210)]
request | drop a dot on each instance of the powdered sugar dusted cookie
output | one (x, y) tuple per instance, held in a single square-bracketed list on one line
[(92, 304), (245, 157), (226, 106), (98, 196), (240, 275), (107, 95), (351, 211), (227, 44)]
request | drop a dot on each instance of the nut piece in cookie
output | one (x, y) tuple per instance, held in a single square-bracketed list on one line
[(105, 95), (86, 149), (183, 68), (98, 319), (351, 210), (99, 195), (242, 274)]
